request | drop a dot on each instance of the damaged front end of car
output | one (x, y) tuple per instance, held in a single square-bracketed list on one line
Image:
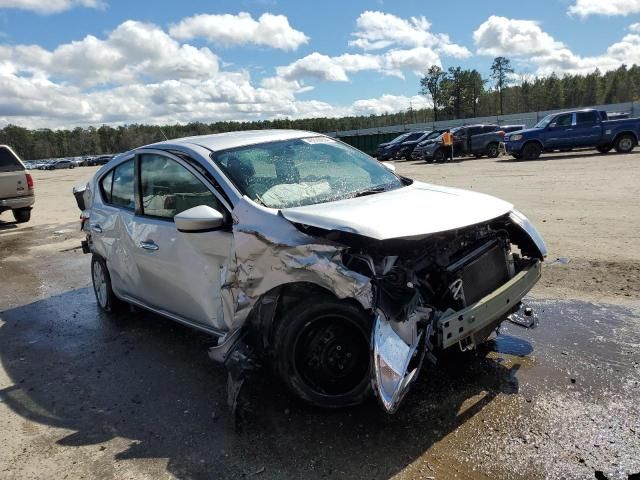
[(422, 294)]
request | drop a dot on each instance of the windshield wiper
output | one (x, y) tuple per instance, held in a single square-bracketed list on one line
[(370, 191)]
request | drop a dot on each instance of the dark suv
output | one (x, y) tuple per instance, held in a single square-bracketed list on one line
[(387, 151)]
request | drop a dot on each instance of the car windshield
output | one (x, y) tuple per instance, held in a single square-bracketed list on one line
[(400, 138), (545, 121), (304, 171)]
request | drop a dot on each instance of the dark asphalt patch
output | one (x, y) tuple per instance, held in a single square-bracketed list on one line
[(509, 409)]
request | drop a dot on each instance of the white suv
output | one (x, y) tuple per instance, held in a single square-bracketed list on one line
[(295, 248)]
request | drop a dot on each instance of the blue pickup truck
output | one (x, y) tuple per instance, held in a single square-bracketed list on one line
[(577, 129)]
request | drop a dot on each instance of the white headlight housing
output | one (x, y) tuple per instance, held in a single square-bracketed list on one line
[(515, 138), (525, 224)]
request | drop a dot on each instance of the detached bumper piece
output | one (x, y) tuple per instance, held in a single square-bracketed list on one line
[(472, 325)]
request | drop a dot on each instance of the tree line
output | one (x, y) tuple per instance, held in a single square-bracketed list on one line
[(458, 93), (455, 93)]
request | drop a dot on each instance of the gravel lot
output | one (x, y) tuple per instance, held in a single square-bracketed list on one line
[(86, 396)]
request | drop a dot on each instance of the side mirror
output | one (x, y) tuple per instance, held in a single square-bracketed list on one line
[(199, 219), (389, 166)]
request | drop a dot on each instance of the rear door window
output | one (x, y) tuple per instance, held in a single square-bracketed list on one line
[(105, 186), (586, 119), (8, 162), (122, 190)]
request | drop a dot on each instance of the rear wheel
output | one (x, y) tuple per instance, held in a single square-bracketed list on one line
[(531, 151), (493, 150), (105, 297), (322, 352), (625, 143), (22, 215), (604, 148)]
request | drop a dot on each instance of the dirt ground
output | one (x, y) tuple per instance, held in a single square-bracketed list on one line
[(135, 396)]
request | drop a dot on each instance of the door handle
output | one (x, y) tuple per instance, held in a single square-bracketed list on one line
[(96, 228), (149, 245)]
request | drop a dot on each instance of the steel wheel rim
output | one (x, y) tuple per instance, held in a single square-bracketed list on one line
[(100, 284), (354, 358), (626, 144)]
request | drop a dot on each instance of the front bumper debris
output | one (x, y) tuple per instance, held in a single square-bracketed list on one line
[(472, 325)]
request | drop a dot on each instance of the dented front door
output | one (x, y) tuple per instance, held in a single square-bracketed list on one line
[(398, 350)]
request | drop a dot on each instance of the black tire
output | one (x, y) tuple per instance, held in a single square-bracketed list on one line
[(517, 156), (625, 143), (604, 148), (438, 156), (531, 151), (477, 155), (493, 150), (322, 352), (22, 215), (105, 298)]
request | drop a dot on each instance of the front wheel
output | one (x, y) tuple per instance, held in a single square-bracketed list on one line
[(322, 352), (438, 156), (517, 156), (625, 143), (604, 148), (531, 151)]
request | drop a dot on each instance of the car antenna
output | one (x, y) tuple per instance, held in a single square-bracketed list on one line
[(165, 137)]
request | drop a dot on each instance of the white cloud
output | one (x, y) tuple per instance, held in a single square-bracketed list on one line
[(269, 30), (389, 104), (634, 27), (336, 69), (585, 8), (525, 41), (51, 6), (400, 45), (504, 36), (134, 50), (379, 30)]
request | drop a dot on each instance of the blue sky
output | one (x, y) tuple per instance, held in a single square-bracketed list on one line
[(65, 63)]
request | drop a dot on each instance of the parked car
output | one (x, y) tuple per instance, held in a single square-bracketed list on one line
[(489, 143), (100, 160), (418, 150), (299, 251), (60, 164), (382, 146), (44, 164), (389, 150), (16, 186), (576, 129), (407, 146)]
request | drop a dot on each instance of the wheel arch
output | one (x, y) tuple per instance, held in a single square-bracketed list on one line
[(268, 309), (530, 141), (625, 132)]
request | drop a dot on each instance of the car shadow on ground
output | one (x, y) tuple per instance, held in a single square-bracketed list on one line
[(140, 377), (545, 157), (4, 226)]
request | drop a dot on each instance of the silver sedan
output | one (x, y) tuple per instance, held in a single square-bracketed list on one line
[(295, 249)]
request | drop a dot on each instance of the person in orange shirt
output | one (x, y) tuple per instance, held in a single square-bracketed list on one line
[(447, 141)]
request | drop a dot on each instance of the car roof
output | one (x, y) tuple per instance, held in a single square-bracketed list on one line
[(225, 141)]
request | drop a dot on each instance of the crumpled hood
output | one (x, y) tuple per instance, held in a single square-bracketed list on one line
[(416, 210)]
